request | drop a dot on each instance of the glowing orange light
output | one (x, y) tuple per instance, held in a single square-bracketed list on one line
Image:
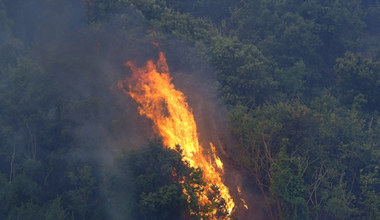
[(244, 203), (151, 87), (156, 44)]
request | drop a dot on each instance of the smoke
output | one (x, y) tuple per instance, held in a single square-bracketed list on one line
[(79, 66), (196, 78), (76, 67)]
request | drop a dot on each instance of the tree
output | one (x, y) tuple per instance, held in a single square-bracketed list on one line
[(287, 184), (55, 210), (165, 187), (242, 72), (84, 196), (358, 82)]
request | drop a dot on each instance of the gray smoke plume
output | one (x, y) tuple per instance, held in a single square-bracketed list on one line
[(79, 64)]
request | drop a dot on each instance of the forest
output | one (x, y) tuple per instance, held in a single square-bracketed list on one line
[(288, 90)]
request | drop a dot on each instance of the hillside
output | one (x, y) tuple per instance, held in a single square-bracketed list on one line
[(280, 99)]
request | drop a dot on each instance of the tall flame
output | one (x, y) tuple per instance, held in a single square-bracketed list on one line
[(151, 87)]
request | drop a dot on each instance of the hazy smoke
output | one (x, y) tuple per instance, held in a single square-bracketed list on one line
[(80, 65)]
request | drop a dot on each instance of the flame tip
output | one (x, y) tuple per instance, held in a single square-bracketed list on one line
[(173, 119)]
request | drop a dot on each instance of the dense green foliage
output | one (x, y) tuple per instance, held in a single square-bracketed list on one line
[(158, 177), (300, 80)]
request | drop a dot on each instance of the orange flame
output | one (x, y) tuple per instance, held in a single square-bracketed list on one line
[(151, 87), (244, 203)]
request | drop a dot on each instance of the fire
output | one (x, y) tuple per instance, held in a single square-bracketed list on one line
[(151, 87), (244, 203)]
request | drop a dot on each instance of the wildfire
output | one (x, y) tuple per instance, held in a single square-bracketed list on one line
[(244, 203), (151, 87)]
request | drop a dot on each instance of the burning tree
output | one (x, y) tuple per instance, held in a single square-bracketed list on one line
[(160, 178), (151, 87)]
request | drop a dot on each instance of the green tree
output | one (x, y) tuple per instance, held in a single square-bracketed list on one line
[(160, 176), (287, 184), (55, 210), (83, 196), (370, 194), (242, 72), (358, 81)]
